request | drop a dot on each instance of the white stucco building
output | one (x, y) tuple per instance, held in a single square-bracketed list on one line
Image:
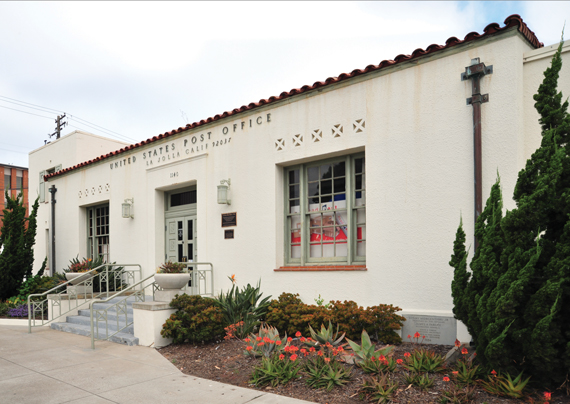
[(351, 188)]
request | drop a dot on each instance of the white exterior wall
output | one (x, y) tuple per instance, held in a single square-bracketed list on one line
[(66, 151), (418, 143)]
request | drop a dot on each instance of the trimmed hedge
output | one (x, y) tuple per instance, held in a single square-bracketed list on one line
[(288, 313)]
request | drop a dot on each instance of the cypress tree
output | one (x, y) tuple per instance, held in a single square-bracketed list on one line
[(516, 303), (17, 239)]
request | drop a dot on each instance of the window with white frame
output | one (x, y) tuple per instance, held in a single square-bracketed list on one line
[(326, 212), (98, 232)]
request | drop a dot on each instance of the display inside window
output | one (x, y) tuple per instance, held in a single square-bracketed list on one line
[(324, 207)]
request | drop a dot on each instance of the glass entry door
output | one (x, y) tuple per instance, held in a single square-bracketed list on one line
[(181, 239)]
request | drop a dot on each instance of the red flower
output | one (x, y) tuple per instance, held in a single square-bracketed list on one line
[(281, 357), (260, 344), (409, 336), (381, 358), (266, 339), (407, 354), (302, 339), (286, 349), (312, 349), (457, 343), (446, 379), (417, 335), (289, 339), (399, 361), (464, 351), (493, 372), (373, 359), (455, 372), (249, 348), (547, 395), (247, 340), (258, 338), (327, 360), (298, 334), (293, 358), (320, 353), (278, 342)]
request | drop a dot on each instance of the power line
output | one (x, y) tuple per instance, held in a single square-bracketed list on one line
[(99, 128), (13, 151), (24, 102), (14, 109)]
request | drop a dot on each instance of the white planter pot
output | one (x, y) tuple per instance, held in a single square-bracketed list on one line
[(172, 281), (77, 277)]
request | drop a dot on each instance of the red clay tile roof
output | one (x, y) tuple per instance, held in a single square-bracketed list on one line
[(512, 21)]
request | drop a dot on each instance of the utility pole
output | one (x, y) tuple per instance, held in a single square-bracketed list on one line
[(59, 126)]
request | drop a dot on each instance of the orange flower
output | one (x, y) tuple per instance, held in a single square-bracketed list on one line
[(464, 351), (286, 349), (247, 339), (409, 336), (233, 278), (277, 342), (399, 361), (258, 338), (407, 354), (417, 335), (289, 339), (281, 357), (373, 359), (320, 353), (382, 358), (455, 372), (293, 358), (302, 339), (457, 343), (312, 349), (446, 379), (260, 344), (493, 372), (249, 348), (298, 334), (327, 360), (547, 395)]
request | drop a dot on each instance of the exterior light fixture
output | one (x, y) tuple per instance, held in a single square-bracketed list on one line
[(223, 192), (128, 209)]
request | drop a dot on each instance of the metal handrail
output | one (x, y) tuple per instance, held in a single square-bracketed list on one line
[(197, 276), (39, 305), (137, 295)]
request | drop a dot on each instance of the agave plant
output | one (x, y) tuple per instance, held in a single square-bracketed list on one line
[(505, 386), (366, 351), (325, 336)]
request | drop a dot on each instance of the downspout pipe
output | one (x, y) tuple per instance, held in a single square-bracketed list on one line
[(52, 191), (475, 72)]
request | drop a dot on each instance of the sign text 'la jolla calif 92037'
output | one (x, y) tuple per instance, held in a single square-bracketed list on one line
[(190, 145)]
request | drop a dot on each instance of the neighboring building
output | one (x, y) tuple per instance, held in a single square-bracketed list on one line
[(15, 181), (351, 188)]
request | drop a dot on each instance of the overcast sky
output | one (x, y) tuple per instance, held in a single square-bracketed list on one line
[(134, 70)]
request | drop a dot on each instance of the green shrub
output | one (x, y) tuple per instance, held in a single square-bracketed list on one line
[(289, 313), (3, 308), (197, 319)]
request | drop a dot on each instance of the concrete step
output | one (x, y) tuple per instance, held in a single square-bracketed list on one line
[(112, 323), (81, 329), (111, 315)]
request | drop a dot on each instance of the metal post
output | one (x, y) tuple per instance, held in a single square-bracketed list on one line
[(52, 191), (474, 72)]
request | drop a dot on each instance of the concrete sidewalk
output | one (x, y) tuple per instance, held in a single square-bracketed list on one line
[(49, 367)]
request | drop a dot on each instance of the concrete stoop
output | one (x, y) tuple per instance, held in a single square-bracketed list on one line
[(81, 324)]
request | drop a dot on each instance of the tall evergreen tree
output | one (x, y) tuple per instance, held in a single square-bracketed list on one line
[(518, 296), (17, 239)]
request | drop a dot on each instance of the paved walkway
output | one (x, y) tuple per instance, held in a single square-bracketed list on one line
[(49, 367)]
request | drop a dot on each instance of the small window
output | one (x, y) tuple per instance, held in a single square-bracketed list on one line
[(98, 232), (183, 198)]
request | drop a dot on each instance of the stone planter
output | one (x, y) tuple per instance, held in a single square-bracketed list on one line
[(171, 285), (77, 277), (172, 281)]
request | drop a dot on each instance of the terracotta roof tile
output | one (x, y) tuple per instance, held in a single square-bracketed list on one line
[(512, 21)]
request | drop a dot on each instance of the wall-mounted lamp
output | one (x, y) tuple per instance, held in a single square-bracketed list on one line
[(128, 209), (223, 192)]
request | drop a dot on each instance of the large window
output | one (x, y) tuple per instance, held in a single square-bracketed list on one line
[(326, 212), (98, 232)]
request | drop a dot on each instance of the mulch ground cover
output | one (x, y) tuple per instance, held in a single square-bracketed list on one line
[(225, 362)]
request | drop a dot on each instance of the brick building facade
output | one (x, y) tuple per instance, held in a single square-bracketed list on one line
[(15, 180)]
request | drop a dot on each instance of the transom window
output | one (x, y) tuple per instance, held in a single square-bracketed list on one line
[(326, 211), (98, 232)]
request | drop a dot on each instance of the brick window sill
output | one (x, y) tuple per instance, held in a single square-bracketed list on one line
[(321, 268)]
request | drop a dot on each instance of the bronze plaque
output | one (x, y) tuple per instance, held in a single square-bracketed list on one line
[(229, 219), (229, 234)]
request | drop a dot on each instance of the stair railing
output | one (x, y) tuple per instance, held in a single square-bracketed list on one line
[(77, 294), (120, 307), (202, 280)]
